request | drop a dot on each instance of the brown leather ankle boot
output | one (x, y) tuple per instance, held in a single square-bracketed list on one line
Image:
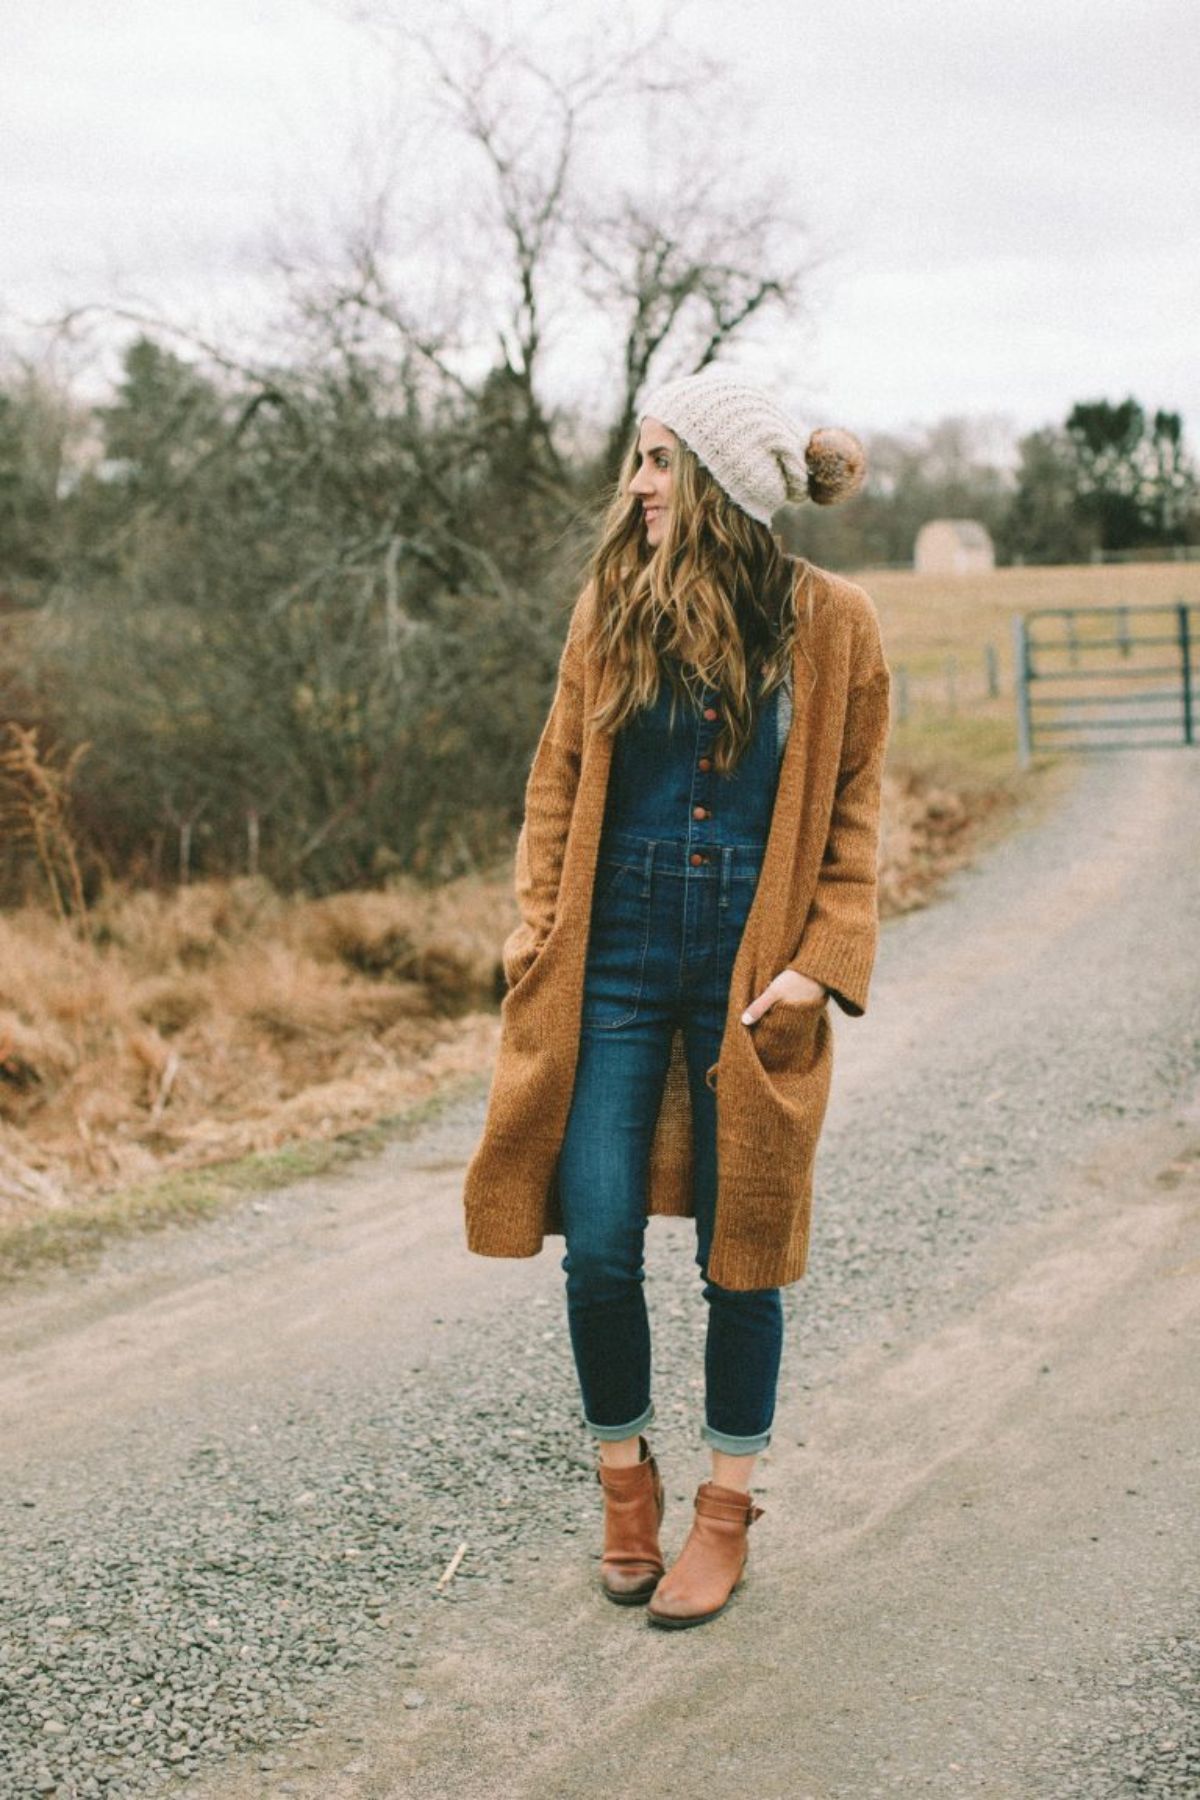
[(704, 1575), (633, 1508)]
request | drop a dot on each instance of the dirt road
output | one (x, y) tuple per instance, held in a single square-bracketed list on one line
[(240, 1457)]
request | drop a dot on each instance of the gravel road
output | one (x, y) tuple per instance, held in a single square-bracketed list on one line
[(239, 1456)]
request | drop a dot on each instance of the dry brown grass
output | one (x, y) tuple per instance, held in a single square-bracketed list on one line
[(224, 1020)]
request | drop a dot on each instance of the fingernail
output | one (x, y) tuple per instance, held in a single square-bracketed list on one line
[(747, 1018)]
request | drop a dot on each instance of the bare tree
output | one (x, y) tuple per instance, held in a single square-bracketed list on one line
[(683, 284), (675, 277)]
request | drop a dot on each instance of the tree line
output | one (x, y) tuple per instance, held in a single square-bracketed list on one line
[(306, 625), (1111, 477)]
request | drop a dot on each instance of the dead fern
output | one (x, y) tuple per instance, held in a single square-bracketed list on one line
[(35, 805)]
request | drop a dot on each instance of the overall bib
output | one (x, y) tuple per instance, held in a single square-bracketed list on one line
[(679, 859)]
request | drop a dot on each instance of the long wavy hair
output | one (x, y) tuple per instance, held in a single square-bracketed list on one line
[(717, 603)]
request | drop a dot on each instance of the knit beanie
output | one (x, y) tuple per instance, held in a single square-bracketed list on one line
[(751, 448)]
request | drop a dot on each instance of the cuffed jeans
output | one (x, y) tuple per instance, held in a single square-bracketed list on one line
[(663, 937)]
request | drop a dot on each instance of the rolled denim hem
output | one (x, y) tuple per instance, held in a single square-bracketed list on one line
[(612, 1434), (735, 1446)]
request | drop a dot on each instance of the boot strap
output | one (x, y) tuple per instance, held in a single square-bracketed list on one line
[(728, 1510)]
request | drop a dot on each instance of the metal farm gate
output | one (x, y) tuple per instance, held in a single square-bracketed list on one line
[(1107, 677)]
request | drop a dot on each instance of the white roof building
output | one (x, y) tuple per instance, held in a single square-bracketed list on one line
[(953, 547)]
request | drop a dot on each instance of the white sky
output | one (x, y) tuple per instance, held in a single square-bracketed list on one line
[(1009, 189)]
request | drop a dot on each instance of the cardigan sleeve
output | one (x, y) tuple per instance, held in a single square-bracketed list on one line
[(837, 946), (549, 802)]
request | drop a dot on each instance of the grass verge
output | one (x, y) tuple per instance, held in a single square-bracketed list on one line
[(75, 1234)]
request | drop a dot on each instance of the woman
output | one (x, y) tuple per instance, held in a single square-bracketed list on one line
[(696, 874)]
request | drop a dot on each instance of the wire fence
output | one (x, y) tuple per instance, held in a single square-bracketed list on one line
[(960, 683)]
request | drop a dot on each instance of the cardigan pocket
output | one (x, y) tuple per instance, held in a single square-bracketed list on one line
[(793, 1056), (525, 1019), (517, 957), (524, 965), (787, 1036)]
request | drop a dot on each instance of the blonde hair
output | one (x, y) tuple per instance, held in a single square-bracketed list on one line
[(715, 603)]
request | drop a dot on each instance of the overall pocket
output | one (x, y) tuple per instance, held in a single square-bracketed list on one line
[(618, 936), (609, 871)]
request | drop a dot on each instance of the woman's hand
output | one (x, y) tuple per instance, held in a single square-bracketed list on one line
[(790, 985)]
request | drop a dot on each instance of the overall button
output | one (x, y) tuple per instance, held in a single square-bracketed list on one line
[(701, 812), (696, 858), (705, 763), (710, 712)]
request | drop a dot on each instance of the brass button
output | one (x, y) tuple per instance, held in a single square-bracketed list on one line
[(699, 812), (710, 712), (697, 858), (704, 763)]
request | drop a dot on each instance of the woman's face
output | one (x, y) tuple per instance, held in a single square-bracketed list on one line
[(652, 479)]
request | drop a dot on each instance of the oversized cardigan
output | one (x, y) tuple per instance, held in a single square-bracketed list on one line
[(814, 909)]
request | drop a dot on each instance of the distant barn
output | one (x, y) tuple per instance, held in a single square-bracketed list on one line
[(953, 547)]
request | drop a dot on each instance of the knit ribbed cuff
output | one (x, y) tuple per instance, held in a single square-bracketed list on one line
[(749, 1264), (493, 1233), (841, 964)]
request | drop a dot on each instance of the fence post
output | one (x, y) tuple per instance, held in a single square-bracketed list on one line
[(1022, 672), (1185, 659), (991, 665), (901, 695)]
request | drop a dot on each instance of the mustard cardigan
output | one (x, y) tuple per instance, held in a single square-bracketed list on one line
[(814, 909)]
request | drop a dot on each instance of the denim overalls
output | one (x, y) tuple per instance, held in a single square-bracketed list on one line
[(679, 858)]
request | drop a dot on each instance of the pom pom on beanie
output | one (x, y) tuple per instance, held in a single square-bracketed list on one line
[(751, 447), (837, 465)]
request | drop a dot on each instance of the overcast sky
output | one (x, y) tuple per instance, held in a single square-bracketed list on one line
[(1007, 191)]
